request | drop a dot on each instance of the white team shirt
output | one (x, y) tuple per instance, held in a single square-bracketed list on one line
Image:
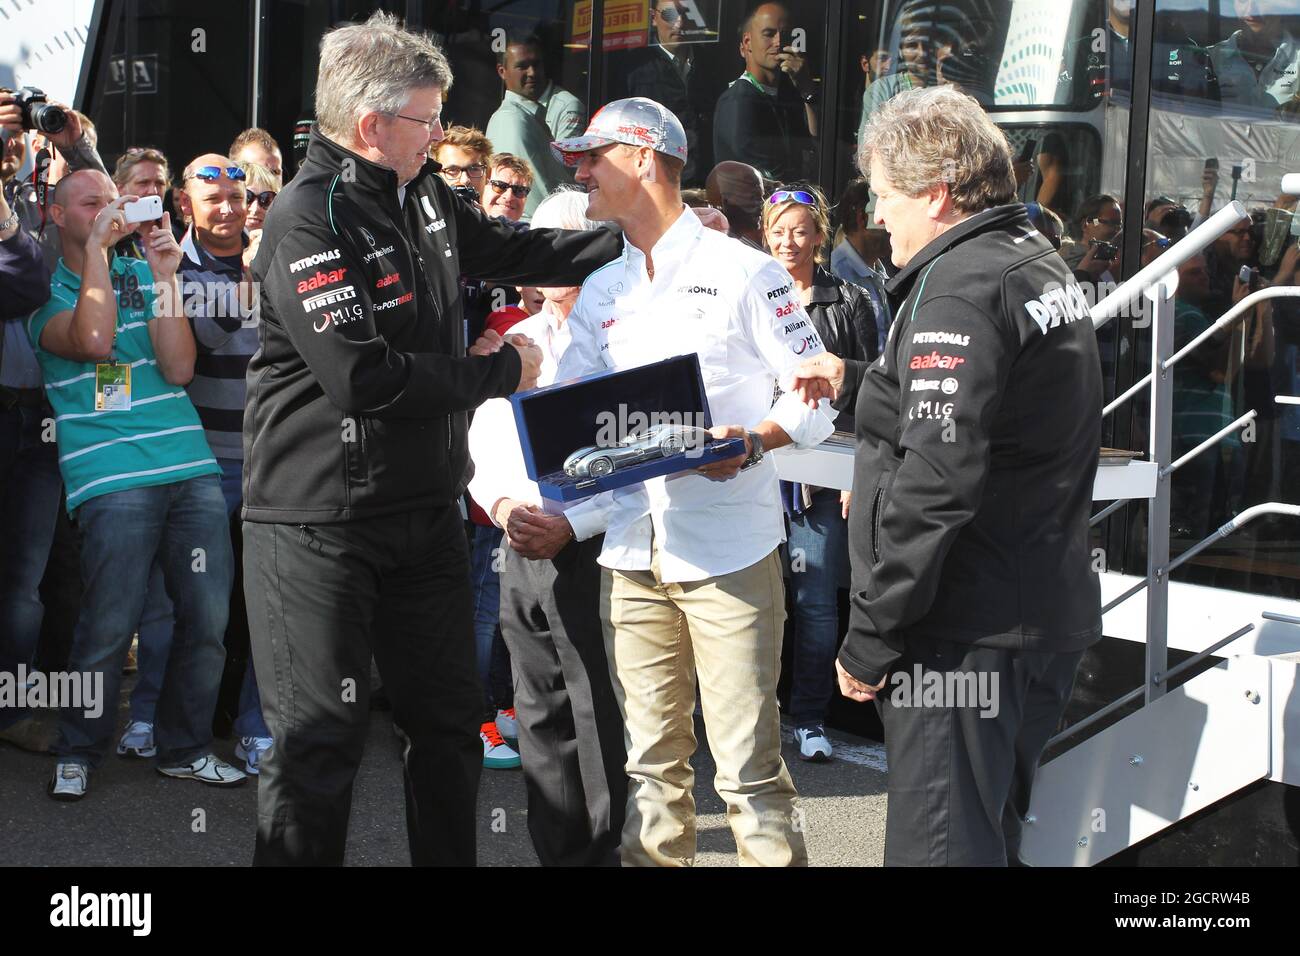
[(738, 310)]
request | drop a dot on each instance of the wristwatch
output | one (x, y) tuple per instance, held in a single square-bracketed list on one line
[(756, 450), (11, 222)]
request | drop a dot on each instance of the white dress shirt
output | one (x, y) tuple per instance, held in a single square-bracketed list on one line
[(495, 449), (737, 309)]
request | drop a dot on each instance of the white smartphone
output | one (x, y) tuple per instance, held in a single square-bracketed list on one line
[(144, 209)]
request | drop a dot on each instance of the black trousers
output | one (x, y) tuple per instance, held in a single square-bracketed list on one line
[(965, 727), (570, 729), (323, 598)]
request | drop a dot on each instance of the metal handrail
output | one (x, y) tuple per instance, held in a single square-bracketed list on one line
[(1131, 289), (1227, 319), (1235, 524), (1136, 692)]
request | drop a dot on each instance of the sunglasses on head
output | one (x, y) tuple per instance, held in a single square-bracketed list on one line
[(521, 192), (210, 174), (264, 199), (795, 195)]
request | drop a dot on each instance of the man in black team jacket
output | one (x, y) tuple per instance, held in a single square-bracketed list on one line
[(978, 433), (355, 450)]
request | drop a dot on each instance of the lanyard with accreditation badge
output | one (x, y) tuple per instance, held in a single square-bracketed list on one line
[(113, 381)]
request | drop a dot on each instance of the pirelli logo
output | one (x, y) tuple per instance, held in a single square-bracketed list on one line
[(332, 297)]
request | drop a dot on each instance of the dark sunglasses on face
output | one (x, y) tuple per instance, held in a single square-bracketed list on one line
[(264, 199), (473, 171), (797, 195), (210, 174), (669, 14), (521, 192)]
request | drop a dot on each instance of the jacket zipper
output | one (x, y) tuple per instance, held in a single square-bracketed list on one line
[(877, 507), (411, 257)]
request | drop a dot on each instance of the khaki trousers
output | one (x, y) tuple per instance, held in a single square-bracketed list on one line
[(727, 630)]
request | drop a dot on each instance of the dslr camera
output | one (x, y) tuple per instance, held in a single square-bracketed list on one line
[(37, 113)]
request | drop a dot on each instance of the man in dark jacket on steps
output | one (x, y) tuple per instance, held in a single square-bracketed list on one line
[(978, 431), (355, 449)]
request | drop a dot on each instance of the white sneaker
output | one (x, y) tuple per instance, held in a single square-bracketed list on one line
[(137, 740), (813, 743), (207, 769), (508, 725), (251, 750), (497, 754), (70, 781)]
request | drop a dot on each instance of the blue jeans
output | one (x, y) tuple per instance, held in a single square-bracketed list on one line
[(30, 487), (492, 657), (156, 636), (819, 554), (122, 535)]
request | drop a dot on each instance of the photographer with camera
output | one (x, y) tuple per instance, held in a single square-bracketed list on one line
[(30, 486), (116, 349)]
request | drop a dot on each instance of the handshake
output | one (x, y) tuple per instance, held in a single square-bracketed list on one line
[(530, 355)]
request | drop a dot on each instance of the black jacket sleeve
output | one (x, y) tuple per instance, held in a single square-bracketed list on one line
[(945, 450), (24, 279), (357, 369), (854, 370), (493, 250)]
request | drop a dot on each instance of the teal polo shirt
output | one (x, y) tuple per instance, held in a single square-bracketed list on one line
[(159, 440)]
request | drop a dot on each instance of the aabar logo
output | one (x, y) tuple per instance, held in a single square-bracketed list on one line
[(785, 310), (387, 280), (607, 323), (935, 360), (321, 279), (313, 260)]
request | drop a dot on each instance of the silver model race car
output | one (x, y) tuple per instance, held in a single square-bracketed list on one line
[(657, 441)]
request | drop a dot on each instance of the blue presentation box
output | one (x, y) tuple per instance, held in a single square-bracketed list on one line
[(600, 411)]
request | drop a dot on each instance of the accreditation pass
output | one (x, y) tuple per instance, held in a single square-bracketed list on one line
[(112, 387)]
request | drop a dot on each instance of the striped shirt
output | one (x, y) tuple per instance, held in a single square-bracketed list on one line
[(226, 336), (159, 440)]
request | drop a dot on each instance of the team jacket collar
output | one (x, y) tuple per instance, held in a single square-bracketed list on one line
[(997, 217), (370, 177)]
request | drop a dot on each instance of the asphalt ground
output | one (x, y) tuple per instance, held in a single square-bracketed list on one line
[(133, 816)]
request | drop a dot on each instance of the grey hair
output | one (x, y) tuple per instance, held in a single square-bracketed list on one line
[(566, 208), (373, 66), (939, 135)]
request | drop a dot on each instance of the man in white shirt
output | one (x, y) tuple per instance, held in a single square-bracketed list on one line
[(533, 111), (694, 582)]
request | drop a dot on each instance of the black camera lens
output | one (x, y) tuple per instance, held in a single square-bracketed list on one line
[(37, 113), (467, 193)]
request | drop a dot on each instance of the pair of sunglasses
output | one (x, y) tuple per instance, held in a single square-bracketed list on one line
[(210, 174), (797, 195), (521, 192), (264, 199)]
